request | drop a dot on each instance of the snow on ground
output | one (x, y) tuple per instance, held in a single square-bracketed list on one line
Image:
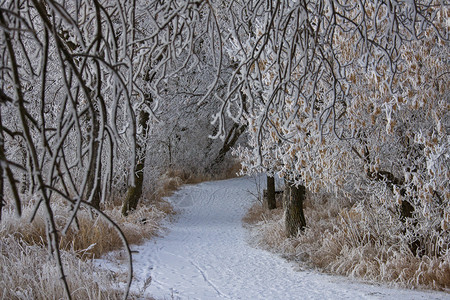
[(205, 255)]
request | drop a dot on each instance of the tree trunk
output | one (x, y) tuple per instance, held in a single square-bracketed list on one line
[(269, 199), (24, 184), (7, 174), (94, 182), (94, 179), (134, 193), (294, 218), (233, 135)]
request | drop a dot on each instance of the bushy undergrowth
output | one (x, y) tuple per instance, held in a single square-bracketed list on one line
[(346, 239), (27, 270), (89, 231)]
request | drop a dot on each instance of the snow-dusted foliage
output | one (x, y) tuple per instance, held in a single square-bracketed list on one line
[(351, 96), (179, 136), (74, 76), (189, 93), (66, 97)]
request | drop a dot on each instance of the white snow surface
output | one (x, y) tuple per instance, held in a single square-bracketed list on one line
[(206, 255)]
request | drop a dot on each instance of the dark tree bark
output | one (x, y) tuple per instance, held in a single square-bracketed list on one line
[(134, 193), (232, 137), (293, 209), (406, 209), (24, 184), (94, 178), (269, 199)]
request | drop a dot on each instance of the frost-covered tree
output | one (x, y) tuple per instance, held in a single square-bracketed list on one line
[(348, 95), (66, 94), (180, 136), (75, 74), (166, 38), (183, 61), (181, 128)]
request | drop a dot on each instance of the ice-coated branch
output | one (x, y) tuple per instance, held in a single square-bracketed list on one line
[(74, 76)]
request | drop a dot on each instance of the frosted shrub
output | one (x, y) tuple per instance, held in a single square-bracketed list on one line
[(352, 240), (90, 233), (27, 272)]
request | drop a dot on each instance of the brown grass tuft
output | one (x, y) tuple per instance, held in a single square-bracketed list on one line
[(343, 239), (93, 232), (254, 215), (187, 177), (28, 273)]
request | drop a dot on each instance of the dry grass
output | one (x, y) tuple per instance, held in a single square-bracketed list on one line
[(342, 239), (187, 177), (257, 213), (90, 233), (26, 271)]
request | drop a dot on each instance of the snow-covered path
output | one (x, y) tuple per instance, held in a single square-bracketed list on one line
[(205, 255)]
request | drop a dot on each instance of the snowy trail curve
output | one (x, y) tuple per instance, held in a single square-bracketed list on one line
[(205, 255)]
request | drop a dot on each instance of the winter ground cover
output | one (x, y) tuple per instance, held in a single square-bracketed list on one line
[(206, 255)]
